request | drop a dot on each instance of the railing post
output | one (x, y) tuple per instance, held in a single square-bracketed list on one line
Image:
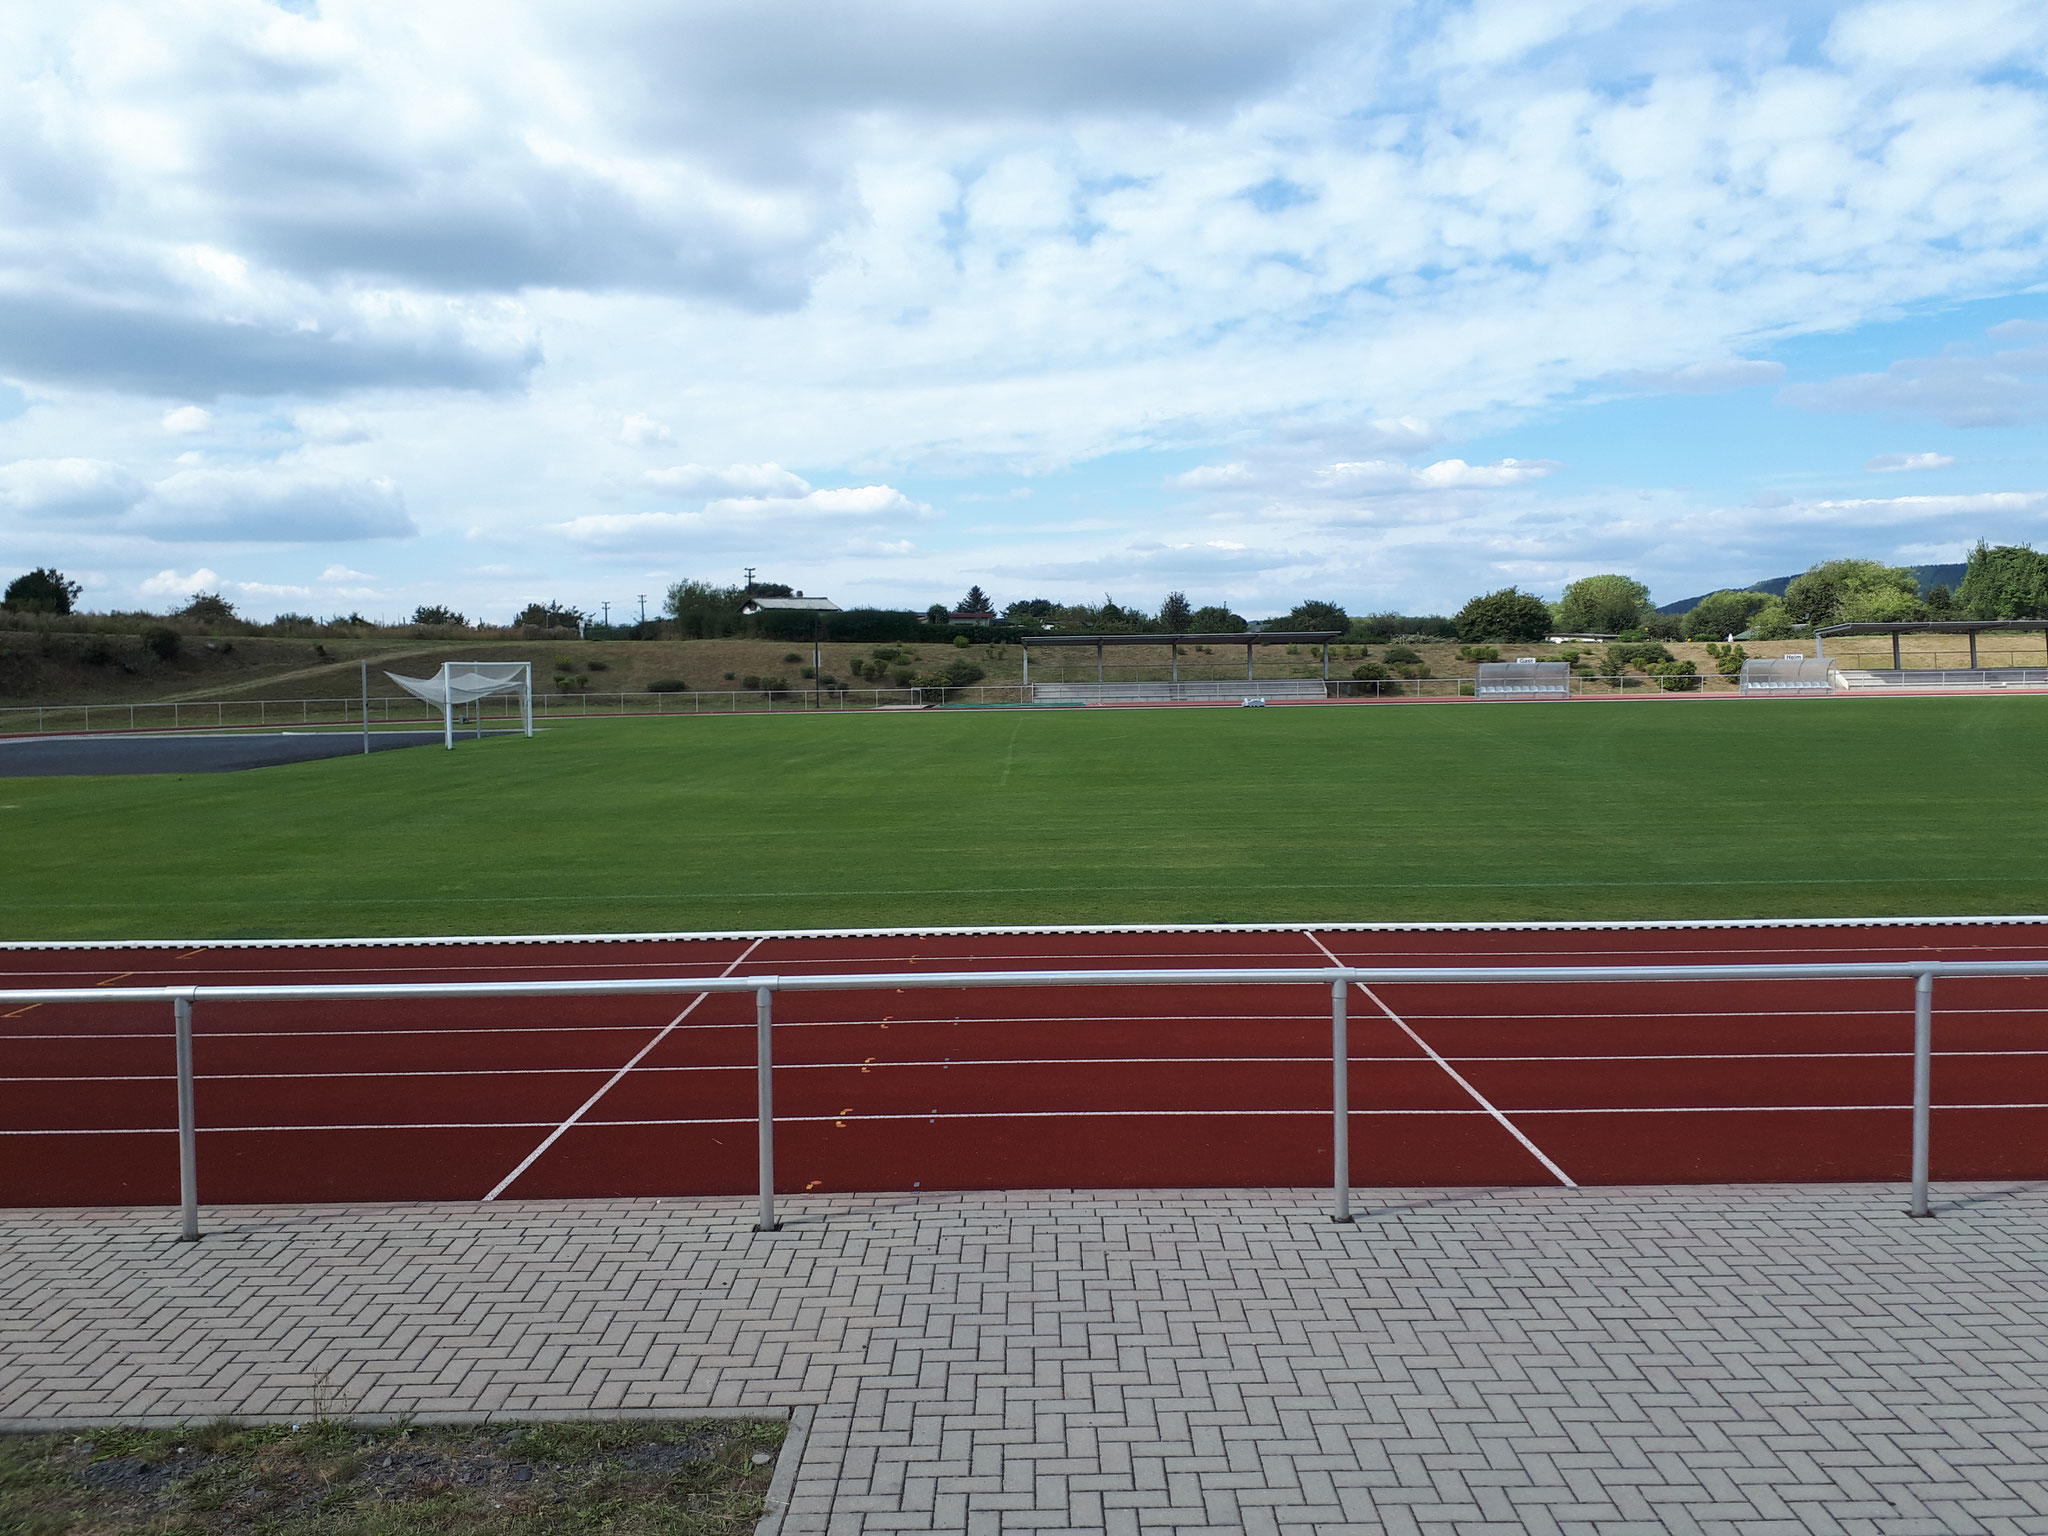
[(188, 1148), (1340, 1102), (1923, 1084), (764, 1076)]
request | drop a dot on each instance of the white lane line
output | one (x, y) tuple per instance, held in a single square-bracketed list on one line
[(1477, 1097), (610, 1083)]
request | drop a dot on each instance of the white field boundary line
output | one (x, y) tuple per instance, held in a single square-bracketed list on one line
[(677, 936), (930, 1117), (1455, 1076), (612, 1082), (966, 1063)]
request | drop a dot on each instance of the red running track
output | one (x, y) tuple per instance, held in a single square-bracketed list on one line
[(1047, 1088)]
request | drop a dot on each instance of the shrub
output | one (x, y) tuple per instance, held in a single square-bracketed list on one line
[(1674, 676), (807, 672), (1373, 672), (161, 641), (208, 607), (1728, 659), (751, 680), (1640, 654), (728, 677), (600, 666), (791, 658), (1399, 653), (97, 651), (962, 641), (1478, 653), (668, 685), (565, 663)]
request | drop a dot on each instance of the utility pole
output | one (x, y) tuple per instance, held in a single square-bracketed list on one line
[(643, 607), (750, 578), (607, 614)]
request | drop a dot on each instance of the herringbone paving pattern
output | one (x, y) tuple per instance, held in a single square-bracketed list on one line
[(1699, 1359)]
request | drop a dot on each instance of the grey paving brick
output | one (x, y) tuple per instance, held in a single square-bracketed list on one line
[(1584, 1363)]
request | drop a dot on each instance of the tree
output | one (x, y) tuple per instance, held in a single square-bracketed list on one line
[(1315, 614), (2003, 581), (434, 613), (1726, 612), (1214, 620), (937, 613), (208, 608), (42, 590), (1771, 622), (977, 602), (1175, 615), (703, 611), (1509, 614), (1030, 609), (550, 615), (1823, 593), (1604, 605)]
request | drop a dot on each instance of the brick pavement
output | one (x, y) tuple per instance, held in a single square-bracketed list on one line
[(1597, 1361)]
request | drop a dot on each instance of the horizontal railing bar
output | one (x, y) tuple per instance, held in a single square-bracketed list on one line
[(1876, 970)]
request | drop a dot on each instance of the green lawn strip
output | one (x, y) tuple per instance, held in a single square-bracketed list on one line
[(689, 1478), (1650, 810)]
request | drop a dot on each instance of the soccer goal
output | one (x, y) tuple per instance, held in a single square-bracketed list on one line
[(1794, 675), (469, 682), (1522, 680)]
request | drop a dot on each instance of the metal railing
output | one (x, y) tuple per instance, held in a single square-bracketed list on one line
[(1339, 979)]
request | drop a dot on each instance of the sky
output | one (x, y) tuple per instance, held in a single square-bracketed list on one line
[(351, 305)]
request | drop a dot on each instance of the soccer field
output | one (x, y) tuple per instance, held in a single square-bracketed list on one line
[(1653, 809)]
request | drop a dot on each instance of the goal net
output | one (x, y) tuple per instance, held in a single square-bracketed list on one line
[(461, 683)]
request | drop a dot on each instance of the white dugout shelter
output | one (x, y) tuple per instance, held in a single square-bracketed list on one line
[(467, 682)]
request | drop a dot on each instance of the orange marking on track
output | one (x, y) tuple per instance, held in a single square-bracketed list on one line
[(112, 979), (190, 953), (19, 1011)]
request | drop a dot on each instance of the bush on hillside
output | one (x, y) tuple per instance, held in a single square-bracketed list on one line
[(1399, 653), (668, 685)]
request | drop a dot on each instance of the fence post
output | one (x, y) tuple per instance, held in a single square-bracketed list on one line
[(188, 1148), (764, 1076), (1923, 1084), (1340, 1099)]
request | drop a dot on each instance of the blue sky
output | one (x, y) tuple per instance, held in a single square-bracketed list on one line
[(353, 305)]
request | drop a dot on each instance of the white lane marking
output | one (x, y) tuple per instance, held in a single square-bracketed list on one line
[(1477, 1097), (591, 1103)]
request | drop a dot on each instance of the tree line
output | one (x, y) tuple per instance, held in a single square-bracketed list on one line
[(2008, 581)]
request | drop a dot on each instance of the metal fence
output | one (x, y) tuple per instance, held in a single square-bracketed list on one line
[(256, 714), (1338, 979)]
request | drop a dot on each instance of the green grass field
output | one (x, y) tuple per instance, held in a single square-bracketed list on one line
[(1656, 809)]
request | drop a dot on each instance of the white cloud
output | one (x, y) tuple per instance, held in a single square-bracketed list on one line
[(700, 482), (343, 573), (79, 489), (187, 418), (1705, 378), (171, 584), (1959, 388), (1894, 463), (329, 426), (849, 510), (640, 431), (272, 507)]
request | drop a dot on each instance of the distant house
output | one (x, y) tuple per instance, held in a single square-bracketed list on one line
[(797, 604), (1582, 639)]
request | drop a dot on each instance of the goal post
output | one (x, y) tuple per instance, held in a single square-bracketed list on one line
[(469, 682)]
